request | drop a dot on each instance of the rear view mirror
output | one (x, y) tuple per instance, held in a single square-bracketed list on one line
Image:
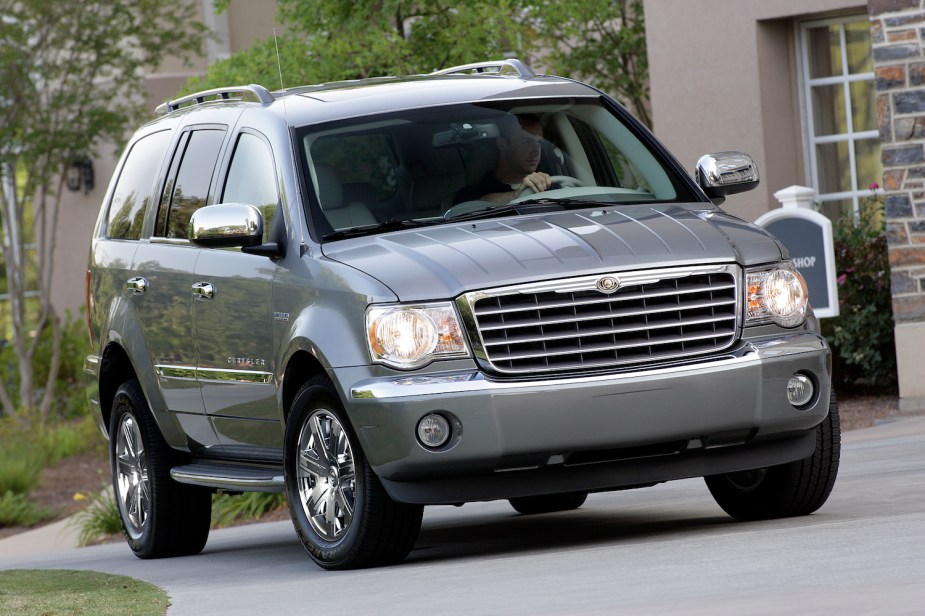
[(726, 173)]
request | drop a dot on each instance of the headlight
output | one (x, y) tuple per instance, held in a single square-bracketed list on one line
[(777, 295), (410, 336)]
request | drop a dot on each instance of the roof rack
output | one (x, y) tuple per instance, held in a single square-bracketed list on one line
[(252, 92), (492, 67)]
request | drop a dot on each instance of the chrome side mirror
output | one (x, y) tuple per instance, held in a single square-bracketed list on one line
[(726, 173), (226, 224)]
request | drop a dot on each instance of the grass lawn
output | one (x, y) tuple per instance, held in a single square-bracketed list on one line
[(58, 592)]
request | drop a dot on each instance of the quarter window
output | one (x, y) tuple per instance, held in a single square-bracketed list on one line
[(133, 192), (841, 112)]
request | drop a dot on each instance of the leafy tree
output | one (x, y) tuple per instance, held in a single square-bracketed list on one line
[(602, 43), (330, 40), (73, 78)]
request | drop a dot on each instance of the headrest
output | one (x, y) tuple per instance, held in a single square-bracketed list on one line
[(330, 191)]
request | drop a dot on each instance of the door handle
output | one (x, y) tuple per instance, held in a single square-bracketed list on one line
[(203, 291), (137, 285)]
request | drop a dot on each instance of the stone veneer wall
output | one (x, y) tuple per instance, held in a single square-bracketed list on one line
[(898, 38)]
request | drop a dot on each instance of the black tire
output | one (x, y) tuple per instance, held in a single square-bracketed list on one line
[(341, 513), (794, 489), (548, 503), (160, 517)]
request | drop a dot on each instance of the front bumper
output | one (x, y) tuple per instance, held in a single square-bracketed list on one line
[(518, 438)]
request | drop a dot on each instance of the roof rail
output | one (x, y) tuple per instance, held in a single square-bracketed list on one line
[(252, 92), (492, 67)]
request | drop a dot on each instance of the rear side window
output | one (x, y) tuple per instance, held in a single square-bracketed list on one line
[(133, 193), (190, 188)]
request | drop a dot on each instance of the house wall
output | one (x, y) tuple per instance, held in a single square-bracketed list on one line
[(723, 77), (899, 61)]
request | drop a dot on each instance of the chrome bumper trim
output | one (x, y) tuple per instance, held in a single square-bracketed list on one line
[(475, 381)]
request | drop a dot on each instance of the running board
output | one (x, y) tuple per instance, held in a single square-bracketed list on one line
[(238, 478)]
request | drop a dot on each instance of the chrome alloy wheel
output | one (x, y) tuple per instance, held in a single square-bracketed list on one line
[(133, 486), (326, 475)]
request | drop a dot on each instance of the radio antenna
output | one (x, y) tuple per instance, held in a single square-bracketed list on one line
[(278, 63)]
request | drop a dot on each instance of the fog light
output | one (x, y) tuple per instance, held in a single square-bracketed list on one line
[(433, 430), (799, 390)]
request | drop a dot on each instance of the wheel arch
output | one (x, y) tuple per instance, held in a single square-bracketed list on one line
[(301, 367), (115, 368)]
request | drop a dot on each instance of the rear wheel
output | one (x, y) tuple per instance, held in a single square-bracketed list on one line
[(342, 514), (548, 503), (160, 517), (797, 488)]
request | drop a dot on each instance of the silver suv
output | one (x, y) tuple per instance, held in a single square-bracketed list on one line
[(472, 285)]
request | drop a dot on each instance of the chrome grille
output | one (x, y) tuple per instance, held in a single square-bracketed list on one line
[(656, 315)]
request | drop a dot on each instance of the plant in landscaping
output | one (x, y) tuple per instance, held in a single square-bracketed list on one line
[(228, 509), (99, 520), (861, 337), (20, 466), (17, 510)]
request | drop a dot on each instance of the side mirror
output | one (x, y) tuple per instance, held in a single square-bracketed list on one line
[(226, 224), (726, 173)]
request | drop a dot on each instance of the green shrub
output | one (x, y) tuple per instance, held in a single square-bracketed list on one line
[(70, 438), (861, 337), (70, 397), (21, 464), (17, 510), (99, 520), (228, 508)]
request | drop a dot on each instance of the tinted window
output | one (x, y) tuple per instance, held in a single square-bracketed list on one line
[(358, 159), (133, 191), (428, 165), (252, 178), (193, 179)]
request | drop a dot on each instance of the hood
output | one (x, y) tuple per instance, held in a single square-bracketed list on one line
[(444, 261)]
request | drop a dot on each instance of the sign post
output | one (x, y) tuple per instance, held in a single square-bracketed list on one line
[(807, 234)]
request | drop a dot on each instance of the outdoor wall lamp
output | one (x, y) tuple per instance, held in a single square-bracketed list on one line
[(80, 174)]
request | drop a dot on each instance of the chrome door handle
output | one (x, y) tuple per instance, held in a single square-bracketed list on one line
[(137, 285), (203, 291)]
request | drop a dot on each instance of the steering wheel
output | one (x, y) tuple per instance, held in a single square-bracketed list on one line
[(564, 181)]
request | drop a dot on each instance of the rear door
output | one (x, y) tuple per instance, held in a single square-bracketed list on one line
[(165, 265)]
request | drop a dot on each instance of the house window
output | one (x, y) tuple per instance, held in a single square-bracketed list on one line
[(841, 113)]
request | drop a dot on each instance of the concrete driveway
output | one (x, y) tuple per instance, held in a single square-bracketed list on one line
[(662, 550)]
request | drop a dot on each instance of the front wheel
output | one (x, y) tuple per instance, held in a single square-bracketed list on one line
[(160, 517), (793, 489), (342, 514)]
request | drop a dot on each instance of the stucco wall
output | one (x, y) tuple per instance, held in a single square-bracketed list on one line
[(723, 77)]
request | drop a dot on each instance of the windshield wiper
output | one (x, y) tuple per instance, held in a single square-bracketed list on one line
[(567, 203), (529, 206), (382, 227)]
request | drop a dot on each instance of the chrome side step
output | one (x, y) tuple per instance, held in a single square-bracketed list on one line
[(235, 477)]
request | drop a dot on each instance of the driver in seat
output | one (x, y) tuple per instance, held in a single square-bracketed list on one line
[(519, 148)]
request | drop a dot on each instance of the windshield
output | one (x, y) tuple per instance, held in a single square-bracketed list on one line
[(429, 166)]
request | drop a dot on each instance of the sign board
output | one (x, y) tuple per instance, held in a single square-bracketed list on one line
[(807, 234)]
